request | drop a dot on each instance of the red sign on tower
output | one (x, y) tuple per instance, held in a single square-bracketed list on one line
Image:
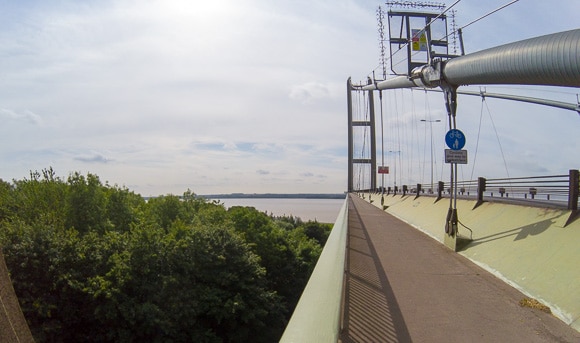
[(383, 169)]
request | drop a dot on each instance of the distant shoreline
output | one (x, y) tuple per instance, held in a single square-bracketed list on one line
[(275, 196)]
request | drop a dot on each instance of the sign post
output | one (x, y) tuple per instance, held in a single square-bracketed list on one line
[(455, 140), (383, 170)]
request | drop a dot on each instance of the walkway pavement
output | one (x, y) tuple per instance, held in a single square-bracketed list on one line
[(403, 286)]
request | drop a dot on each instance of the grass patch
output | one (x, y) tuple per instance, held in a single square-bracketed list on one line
[(533, 303)]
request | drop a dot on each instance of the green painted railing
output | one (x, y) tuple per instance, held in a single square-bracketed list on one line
[(316, 318)]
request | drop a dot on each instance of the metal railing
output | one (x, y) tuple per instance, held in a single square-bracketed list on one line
[(553, 190)]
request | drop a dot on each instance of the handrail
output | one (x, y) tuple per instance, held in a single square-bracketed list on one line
[(317, 315), (556, 190)]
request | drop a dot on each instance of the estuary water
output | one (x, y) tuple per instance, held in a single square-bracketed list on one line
[(321, 210)]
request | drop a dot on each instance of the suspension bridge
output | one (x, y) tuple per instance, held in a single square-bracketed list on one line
[(472, 260)]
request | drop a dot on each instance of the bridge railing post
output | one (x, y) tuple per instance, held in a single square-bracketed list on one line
[(574, 189), (440, 188), (481, 186)]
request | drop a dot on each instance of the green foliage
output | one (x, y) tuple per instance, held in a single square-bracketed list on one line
[(164, 210), (95, 263), (317, 231), (122, 208), (195, 284), (288, 254), (38, 200), (85, 203)]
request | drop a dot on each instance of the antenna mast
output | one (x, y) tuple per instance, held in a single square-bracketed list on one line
[(416, 4), (382, 48)]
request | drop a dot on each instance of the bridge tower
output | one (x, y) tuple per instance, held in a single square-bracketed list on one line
[(370, 140)]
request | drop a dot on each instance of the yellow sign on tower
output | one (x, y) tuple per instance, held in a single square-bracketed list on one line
[(419, 40)]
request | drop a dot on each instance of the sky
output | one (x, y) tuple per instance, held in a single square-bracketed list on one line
[(162, 96)]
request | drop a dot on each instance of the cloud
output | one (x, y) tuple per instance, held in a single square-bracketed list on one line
[(213, 96), (94, 158), (26, 116), (212, 146), (309, 92)]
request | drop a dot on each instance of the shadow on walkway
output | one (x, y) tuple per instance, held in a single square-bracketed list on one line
[(372, 314)]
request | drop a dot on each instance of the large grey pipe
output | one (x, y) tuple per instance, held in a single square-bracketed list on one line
[(552, 60), (394, 83)]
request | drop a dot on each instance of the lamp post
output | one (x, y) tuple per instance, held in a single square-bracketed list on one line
[(395, 165), (431, 129)]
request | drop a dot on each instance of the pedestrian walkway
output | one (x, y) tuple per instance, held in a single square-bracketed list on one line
[(403, 286)]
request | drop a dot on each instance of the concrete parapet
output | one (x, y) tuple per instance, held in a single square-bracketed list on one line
[(530, 248)]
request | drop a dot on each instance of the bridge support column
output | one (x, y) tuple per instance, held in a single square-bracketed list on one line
[(350, 186), (371, 161)]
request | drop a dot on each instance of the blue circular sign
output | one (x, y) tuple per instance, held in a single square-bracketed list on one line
[(455, 139)]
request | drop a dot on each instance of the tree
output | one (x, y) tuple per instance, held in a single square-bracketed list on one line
[(95, 263), (317, 231), (277, 253), (122, 208), (86, 203), (205, 286), (39, 199), (164, 210), (6, 201)]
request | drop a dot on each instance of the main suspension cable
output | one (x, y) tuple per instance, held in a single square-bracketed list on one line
[(480, 18)]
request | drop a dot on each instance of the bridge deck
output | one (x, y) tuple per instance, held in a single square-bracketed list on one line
[(403, 286)]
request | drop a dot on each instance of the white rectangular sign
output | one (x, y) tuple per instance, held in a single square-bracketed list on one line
[(456, 156)]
